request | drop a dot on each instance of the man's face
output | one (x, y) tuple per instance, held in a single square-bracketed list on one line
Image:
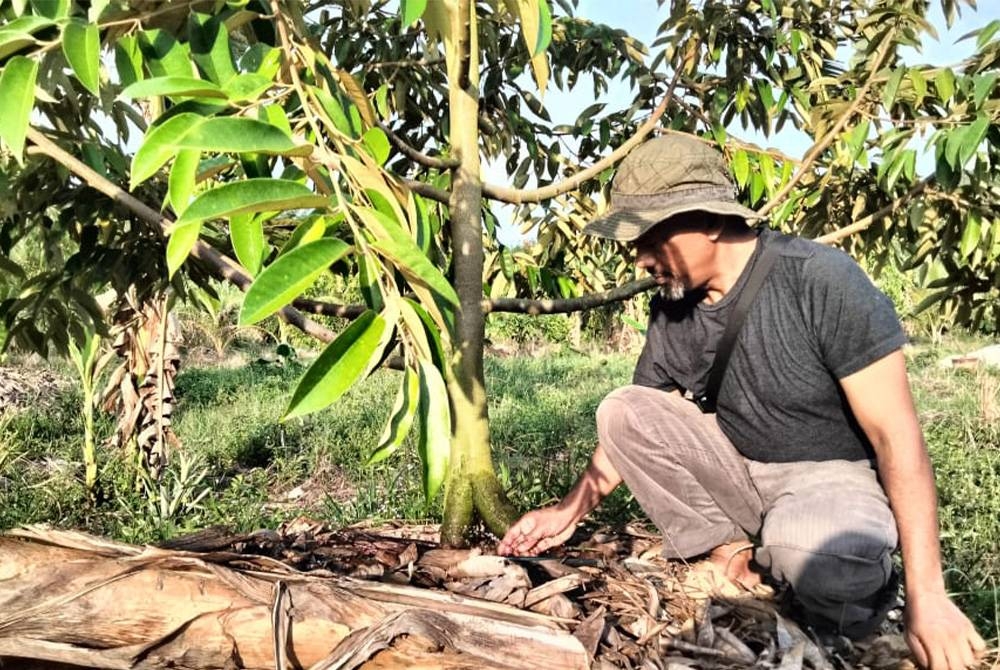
[(673, 251)]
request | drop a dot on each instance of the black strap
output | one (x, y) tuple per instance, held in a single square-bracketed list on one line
[(770, 253)]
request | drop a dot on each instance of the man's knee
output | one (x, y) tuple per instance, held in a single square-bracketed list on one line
[(626, 403), (618, 408), (842, 592), (829, 575)]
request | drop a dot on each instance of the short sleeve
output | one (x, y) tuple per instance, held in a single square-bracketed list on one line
[(853, 322), (650, 370)]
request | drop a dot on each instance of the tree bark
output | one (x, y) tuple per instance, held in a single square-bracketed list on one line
[(69, 598), (472, 482)]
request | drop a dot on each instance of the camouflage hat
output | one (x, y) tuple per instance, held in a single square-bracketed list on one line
[(664, 176)]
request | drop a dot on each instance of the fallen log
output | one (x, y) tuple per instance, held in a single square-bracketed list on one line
[(70, 598)]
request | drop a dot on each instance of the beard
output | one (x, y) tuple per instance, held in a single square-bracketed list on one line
[(673, 290)]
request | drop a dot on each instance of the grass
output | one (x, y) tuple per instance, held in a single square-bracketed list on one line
[(245, 470)]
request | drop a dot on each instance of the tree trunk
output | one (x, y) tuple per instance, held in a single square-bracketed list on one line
[(472, 483), (69, 598)]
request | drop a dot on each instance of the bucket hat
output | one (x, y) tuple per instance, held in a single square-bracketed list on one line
[(664, 176)]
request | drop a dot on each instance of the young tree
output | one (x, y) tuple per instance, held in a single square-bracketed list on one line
[(370, 125)]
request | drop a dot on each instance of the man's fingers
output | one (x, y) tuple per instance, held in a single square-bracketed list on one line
[(919, 652), (978, 644), (959, 654)]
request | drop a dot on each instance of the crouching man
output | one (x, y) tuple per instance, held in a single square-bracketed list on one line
[(813, 468)]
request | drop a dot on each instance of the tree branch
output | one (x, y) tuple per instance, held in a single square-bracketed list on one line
[(428, 191), (866, 221), (534, 307), (220, 265), (417, 156), (519, 196), (821, 145), (329, 309)]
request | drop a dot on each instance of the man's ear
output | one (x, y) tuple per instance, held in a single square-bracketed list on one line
[(715, 226)]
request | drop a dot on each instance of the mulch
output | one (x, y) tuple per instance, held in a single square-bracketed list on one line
[(21, 388), (628, 606)]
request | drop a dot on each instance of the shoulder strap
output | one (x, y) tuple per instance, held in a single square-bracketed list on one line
[(770, 253)]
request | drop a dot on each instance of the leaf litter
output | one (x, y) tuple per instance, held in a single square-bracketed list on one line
[(626, 604)]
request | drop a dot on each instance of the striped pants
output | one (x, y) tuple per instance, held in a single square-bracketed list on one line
[(823, 527)]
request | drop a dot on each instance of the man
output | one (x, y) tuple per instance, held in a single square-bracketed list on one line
[(814, 457)]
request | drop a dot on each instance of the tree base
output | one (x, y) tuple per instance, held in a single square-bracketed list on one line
[(479, 493)]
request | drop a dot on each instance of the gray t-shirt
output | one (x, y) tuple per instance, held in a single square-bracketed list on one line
[(817, 319)]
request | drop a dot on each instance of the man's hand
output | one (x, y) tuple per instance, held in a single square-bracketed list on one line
[(940, 636), (537, 531)]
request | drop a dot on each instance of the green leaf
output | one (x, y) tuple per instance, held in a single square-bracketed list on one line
[(944, 82), (173, 87), (972, 137), (892, 87), (399, 248), (401, 419), (179, 246), (741, 167), (128, 60), (82, 46), (544, 27), (12, 41), (164, 55), (377, 144), (247, 234), (984, 85), (411, 10), (241, 135), (247, 87), (434, 444), (766, 165), (919, 85), (896, 164), (972, 235), (209, 43), (342, 363), (909, 164), (428, 330), (335, 110), (182, 179), (953, 147), (368, 282), (251, 195), (159, 146), (17, 91), (308, 231), (275, 115), (51, 9), (28, 23), (756, 187), (857, 138), (262, 59), (986, 33), (287, 277)]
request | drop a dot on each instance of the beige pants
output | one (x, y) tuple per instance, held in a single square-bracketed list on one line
[(824, 527)]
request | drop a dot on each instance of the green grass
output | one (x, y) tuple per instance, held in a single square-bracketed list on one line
[(542, 419)]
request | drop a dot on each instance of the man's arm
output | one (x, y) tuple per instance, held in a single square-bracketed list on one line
[(549, 527), (941, 637)]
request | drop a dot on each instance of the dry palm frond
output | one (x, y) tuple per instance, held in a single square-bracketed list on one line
[(140, 391)]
